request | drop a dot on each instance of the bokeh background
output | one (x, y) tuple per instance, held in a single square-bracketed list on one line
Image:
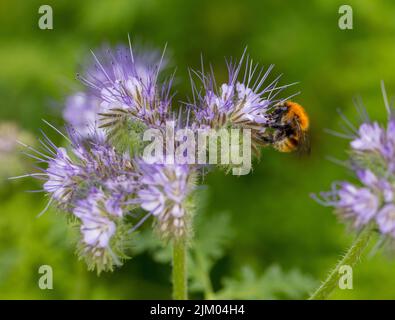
[(273, 219)]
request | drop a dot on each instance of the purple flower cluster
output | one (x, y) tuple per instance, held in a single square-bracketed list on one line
[(377, 143), (127, 84), (372, 158), (88, 166), (94, 212), (110, 190), (96, 185), (365, 203), (244, 101), (164, 194)]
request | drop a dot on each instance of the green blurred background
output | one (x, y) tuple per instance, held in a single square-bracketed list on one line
[(273, 218)]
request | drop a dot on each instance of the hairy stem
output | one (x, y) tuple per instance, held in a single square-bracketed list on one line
[(351, 258), (180, 290)]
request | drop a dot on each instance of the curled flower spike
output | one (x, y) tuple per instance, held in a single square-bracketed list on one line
[(372, 160), (70, 173), (370, 137), (127, 85), (96, 227), (102, 179), (96, 185), (62, 176), (357, 204), (165, 191), (374, 146), (369, 203), (99, 245), (245, 101)]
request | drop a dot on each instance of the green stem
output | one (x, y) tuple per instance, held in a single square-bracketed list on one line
[(180, 291), (351, 258)]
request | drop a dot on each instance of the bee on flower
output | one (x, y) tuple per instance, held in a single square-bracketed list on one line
[(101, 178), (249, 101)]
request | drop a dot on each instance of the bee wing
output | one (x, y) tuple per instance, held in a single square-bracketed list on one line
[(304, 141)]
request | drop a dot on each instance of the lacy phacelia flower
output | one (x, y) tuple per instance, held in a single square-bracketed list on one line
[(127, 85), (96, 227), (81, 111), (239, 103), (372, 159), (101, 231), (370, 137), (96, 185), (71, 173), (100, 178), (62, 176), (357, 204), (165, 191), (374, 147), (234, 105)]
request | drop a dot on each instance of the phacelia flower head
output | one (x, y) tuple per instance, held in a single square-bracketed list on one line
[(165, 193), (357, 204), (95, 184), (70, 172), (370, 200), (245, 101), (127, 86), (96, 227), (62, 176), (102, 178), (370, 138)]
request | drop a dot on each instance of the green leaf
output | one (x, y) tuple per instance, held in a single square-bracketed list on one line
[(273, 284), (213, 237), (148, 241)]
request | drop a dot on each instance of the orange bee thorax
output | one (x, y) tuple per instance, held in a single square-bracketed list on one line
[(296, 110), (291, 133)]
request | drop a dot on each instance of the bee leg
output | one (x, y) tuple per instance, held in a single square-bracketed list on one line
[(266, 140), (276, 126), (280, 126)]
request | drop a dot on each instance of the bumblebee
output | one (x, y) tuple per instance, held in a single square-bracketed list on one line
[(289, 124)]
